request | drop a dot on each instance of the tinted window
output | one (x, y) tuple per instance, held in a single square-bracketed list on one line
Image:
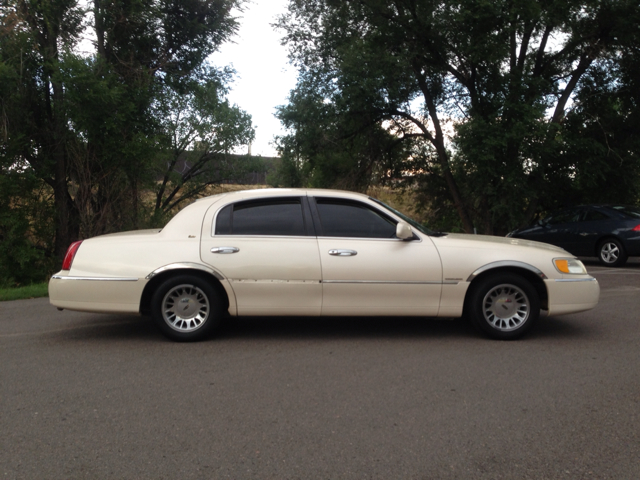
[(627, 210), (592, 215), (279, 217), (564, 216), (223, 222), (352, 219)]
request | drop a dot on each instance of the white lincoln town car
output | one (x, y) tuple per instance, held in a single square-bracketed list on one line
[(316, 252)]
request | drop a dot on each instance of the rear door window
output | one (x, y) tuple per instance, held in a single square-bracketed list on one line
[(273, 217)]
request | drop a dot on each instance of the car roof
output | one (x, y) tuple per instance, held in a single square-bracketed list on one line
[(184, 218), (278, 192)]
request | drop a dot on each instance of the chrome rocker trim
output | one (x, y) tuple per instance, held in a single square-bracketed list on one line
[(391, 282), (575, 280), (97, 279)]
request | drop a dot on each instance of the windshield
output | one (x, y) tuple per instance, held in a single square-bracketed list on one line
[(628, 210), (413, 223)]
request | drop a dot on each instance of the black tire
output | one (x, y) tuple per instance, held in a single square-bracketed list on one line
[(611, 253), (199, 305), (517, 300)]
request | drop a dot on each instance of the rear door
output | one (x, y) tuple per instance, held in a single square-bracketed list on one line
[(268, 251), (588, 230)]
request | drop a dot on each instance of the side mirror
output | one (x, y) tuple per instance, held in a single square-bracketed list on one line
[(404, 231)]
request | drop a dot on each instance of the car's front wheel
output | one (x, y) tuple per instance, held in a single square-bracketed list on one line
[(185, 308), (611, 253), (503, 305)]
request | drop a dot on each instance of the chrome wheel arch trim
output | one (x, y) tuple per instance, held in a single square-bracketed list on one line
[(186, 266), (507, 263)]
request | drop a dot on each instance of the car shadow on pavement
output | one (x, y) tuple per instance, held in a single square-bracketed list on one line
[(379, 327), (343, 327), (141, 329)]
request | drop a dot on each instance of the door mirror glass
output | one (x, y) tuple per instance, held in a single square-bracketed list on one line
[(404, 231)]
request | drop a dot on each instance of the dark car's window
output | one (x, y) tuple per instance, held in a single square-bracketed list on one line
[(272, 217), (343, 218), (593, 215), (564, 216), (627, 210)]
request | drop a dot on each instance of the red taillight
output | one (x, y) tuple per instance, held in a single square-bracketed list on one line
[(71, 252), (637, 228)]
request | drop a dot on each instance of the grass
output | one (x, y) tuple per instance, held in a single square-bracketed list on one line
[(30, 291)]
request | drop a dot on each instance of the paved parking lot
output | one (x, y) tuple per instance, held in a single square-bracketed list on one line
[(105, 396)]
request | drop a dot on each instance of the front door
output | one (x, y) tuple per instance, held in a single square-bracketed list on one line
[(366, 270)]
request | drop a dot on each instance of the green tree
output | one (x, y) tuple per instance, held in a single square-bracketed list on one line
[(602, 136), (89, 127), (201, 127), (34, 33), (82, 138), (332, 147), (497, 78)]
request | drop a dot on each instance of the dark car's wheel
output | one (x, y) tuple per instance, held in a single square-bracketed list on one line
[(611, 253), (504, 305), (186, 308)]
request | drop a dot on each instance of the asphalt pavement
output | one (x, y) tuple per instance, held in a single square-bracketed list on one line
[(106, 396)]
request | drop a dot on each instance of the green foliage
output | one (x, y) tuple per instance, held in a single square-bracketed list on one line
[(20, 293), (199, 127), (25, 252), (97, 130), (330, 145), (465, 100), (602, 139)]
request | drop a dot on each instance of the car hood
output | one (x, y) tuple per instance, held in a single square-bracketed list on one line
[(489, 241)]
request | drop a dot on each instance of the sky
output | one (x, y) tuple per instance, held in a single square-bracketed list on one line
[(264, 76)]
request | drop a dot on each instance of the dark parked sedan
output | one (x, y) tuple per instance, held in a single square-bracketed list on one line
[(609, 232)]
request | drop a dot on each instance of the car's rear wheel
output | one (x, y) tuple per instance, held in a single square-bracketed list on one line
[(186, 308), (611, 253), (503, 305)]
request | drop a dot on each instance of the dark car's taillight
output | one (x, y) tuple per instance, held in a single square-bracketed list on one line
[(636, 228), (71, 253)]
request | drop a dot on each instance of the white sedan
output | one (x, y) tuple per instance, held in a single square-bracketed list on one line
[(316, 252)]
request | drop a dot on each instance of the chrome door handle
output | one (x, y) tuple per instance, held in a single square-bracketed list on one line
[(338, 252), (225, 250)]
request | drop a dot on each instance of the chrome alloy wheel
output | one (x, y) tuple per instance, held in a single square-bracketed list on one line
[(609, 252), (506, 307), (185, 308)]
